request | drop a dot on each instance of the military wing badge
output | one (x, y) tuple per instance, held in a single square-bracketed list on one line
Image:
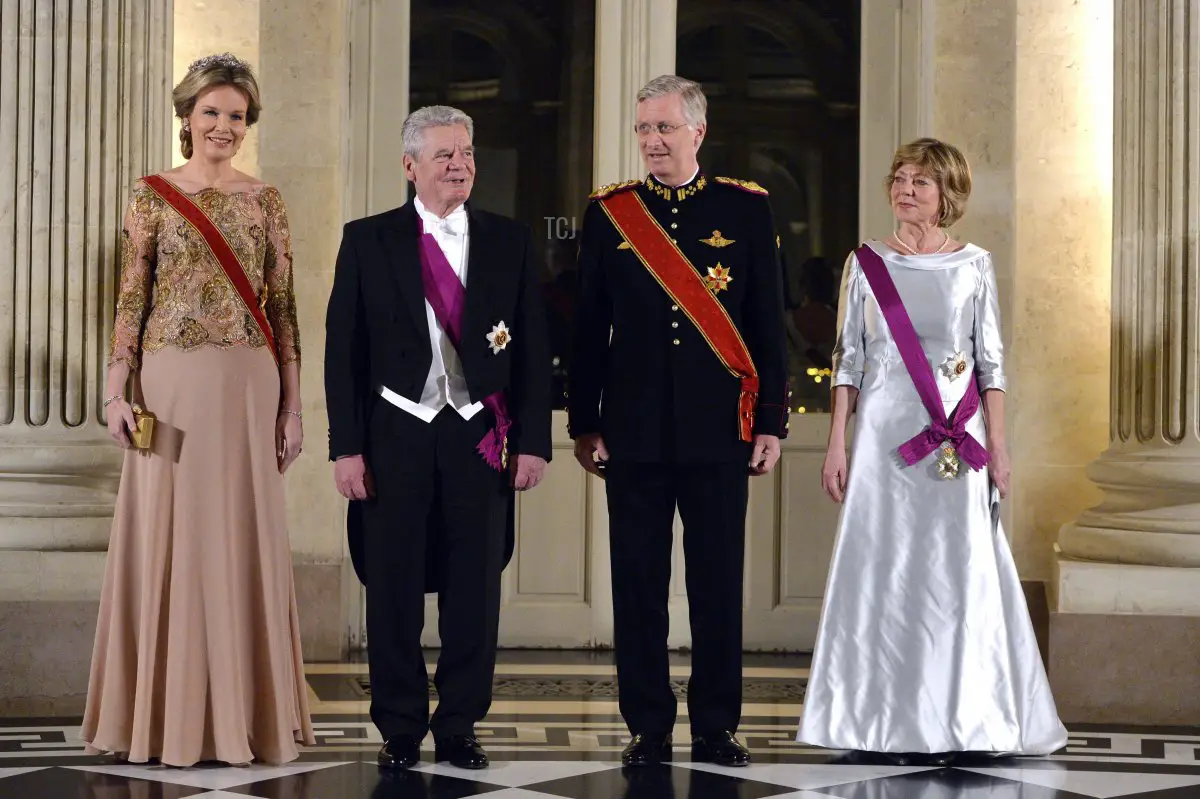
[(717, 240)]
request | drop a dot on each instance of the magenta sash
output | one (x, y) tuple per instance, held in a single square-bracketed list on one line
[(941, 428), (447, 297)]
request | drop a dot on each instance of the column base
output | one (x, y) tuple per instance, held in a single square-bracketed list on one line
[(1125, 643), (1150, 509), (58, 494)]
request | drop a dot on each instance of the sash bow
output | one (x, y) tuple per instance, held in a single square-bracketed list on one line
[(954, 430)]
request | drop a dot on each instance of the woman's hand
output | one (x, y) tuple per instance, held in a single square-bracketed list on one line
[(289, 438), (119, 418), (999, 467), (834, 472)]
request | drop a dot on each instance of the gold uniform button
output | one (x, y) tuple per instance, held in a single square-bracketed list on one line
[(674, 210), (674, 225), (675, 342), (674, 324), (674, 307), (673, 241)]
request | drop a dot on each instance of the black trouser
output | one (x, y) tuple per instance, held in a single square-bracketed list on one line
[(422, 470), (642, 498)]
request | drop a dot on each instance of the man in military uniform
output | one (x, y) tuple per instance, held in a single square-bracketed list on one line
[(677, 408)]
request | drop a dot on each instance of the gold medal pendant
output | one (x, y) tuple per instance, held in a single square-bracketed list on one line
[(947, 462)]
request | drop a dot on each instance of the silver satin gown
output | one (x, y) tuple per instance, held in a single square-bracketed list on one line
[(925, 642)]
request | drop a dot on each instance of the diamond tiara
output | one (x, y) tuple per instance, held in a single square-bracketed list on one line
[(218, 60)]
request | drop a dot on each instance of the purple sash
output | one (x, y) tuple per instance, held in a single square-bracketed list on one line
[(941, 428), (447, 297)]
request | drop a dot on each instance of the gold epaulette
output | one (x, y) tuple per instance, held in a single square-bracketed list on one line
[(612, 188), (744, 185)]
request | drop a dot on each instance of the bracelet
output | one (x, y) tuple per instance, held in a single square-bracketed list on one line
[(297, 414), (112, 399)]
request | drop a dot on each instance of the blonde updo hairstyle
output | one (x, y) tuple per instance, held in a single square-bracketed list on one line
[(212, 72), (948, 168)]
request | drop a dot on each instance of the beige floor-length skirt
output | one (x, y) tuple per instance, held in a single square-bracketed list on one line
[(197, 653)]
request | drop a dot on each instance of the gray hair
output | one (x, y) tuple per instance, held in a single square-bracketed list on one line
[(695, 106), (431, 116)]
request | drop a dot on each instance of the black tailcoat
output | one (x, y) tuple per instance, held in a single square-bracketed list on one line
[(377, 334)]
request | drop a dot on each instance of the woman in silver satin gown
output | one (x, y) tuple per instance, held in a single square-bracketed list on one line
[(925, 647)]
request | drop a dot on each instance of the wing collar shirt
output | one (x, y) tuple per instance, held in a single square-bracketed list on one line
[(446, 383)]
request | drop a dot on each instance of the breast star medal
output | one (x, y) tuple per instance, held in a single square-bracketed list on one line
[(499, 337), (955, 366), (947, 462), (718, 278), (717, 240)]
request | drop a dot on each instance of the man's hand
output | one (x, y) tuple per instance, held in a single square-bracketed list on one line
[(353, 478), (526, 471), (765, 454), (588, 450)]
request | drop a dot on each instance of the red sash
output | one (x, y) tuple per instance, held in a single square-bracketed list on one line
[(220, 248), (679, 278)]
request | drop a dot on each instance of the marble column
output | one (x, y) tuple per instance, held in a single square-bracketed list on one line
[(635, 41), (85, 93), (84, 85), (1128, 570), (1151, 471)]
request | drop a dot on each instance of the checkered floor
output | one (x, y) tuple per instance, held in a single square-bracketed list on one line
[(555, 731), (596, 780)]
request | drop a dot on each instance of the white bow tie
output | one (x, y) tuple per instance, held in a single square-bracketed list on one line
[(451, 225)]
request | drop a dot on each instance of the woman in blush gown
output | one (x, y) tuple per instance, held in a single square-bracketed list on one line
[(197, 652)]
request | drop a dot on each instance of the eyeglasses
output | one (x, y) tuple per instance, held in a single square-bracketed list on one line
[(661, 128)]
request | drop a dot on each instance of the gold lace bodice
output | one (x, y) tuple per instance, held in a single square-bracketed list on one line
[(172, 291)]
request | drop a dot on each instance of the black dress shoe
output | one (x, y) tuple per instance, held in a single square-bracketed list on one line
[(647, 750), (400, 751), (463, 751), (719, 748)]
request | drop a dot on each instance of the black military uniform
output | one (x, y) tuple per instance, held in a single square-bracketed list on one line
[(668, 412)]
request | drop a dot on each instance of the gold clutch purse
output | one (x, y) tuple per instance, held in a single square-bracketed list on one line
[(144, 434)]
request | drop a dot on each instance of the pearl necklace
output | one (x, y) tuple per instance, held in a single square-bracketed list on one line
[(900, 241)]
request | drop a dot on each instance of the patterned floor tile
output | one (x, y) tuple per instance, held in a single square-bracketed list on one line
[(813, 776), (209, 778), (365, 781), (519, 793), (946, 784), (804, 795), (61, 783), (1101, 784), (658, 782), (515, 774)]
